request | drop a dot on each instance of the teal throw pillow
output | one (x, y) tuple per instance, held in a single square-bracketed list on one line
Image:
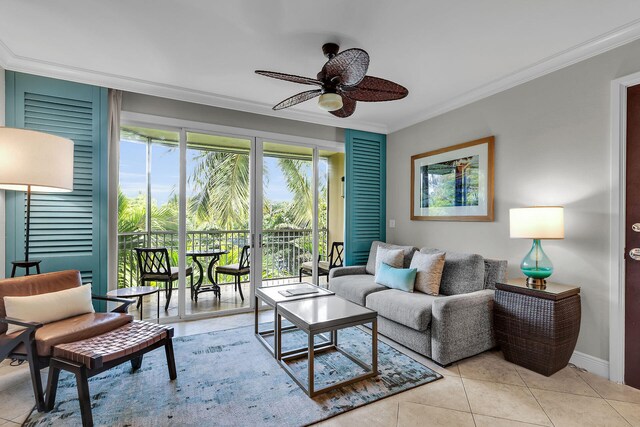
[(396, 278)]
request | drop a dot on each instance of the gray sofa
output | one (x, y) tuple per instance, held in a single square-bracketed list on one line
[(451, 326)]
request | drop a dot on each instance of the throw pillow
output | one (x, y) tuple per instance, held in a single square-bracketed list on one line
[(397, 278), (429, 274), (371, 261), (49, 307), (393, 257)]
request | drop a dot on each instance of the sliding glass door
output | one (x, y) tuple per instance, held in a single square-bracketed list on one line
[(218, 223), (233, 213)]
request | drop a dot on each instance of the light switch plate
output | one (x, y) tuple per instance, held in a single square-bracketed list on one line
[(392, 223)]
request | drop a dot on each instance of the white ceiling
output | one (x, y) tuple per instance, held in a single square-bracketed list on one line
[(447, 53)]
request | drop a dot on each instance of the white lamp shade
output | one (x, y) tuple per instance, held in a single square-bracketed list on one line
[(537, 222), (41, 160)]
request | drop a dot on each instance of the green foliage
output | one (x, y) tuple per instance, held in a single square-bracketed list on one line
[(221, 202)]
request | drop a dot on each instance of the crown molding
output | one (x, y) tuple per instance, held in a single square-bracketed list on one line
[(615, 38), (11, 61)]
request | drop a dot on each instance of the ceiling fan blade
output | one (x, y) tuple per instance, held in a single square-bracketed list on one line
[(374, 89), (297, 99), (289, 77), (349, 66), (348, 107)]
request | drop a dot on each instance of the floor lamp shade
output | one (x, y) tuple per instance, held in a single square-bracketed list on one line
[(37, 160), (34, 162)]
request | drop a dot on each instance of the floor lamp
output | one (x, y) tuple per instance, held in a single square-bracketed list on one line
[(34, 162)]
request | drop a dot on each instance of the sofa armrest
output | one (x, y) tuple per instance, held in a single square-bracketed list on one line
[(346, 271), (462, 326), (119, 309)]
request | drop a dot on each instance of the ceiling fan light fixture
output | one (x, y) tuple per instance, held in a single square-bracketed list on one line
[(330, 101)]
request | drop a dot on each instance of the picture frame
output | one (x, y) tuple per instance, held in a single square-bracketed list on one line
[(454, 183)]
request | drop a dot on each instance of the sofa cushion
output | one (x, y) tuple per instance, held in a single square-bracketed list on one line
[(371, 262), (463, 273), (355, 287), (409, 309), (48, 307), (75, 329), (429, 275)]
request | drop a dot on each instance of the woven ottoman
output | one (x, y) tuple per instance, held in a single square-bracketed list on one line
[(92, 356)]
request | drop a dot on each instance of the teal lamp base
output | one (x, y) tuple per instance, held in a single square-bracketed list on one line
[(537, 266)]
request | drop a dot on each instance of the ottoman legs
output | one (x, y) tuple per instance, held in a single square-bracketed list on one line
[(82, 383), (83, 373), (171, 360)]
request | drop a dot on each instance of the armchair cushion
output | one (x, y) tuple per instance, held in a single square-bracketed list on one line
[(35, 285), (75, 329), (48, 307)]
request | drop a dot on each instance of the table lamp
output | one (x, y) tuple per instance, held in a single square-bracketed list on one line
[(34, 162), (537, 222)]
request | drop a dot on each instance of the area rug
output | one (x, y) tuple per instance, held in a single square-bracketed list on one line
[(227, 378)]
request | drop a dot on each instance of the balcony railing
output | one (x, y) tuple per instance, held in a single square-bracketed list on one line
[(283, 250)]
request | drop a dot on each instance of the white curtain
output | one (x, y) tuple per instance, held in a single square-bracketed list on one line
[(115, 106)]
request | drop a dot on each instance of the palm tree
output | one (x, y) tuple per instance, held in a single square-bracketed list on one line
[(221, 183), (297, 175)]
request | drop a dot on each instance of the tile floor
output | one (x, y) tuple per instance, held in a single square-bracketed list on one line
[(207, 302), (484, 390)]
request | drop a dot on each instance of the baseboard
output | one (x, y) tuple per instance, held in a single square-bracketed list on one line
[(590, 363)]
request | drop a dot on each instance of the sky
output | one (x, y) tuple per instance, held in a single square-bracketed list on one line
[(165, 172)]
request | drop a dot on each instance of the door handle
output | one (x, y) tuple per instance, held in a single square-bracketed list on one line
[(634, 254), (260, 240), (636, 227)]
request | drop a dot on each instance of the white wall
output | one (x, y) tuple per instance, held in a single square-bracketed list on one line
[(2, 224), (552, 148)]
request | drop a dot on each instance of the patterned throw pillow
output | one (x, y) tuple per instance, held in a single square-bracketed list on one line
[(430, 267)]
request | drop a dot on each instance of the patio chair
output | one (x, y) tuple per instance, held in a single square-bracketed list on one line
[(237, 270), (154, 266), (335, 260), (35, 344)]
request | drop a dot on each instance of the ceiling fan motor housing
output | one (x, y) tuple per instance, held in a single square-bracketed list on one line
[(330, 50)]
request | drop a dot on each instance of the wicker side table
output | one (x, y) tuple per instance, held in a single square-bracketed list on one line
[(537, 329)]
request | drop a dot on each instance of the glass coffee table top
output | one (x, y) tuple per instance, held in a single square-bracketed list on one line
[(324, 312), (272, 295)]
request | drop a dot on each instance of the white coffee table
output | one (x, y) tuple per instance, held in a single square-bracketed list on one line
[(271, 295), (320, 315)]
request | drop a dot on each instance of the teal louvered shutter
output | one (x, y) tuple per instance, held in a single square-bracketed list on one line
[(68, 230), (365, 199)]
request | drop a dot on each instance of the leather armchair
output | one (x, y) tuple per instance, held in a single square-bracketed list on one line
[(34, 344)]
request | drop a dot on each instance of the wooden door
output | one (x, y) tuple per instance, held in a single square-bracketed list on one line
[(632, 232)]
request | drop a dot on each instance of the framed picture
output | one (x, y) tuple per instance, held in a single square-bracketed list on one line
[(454, 183)]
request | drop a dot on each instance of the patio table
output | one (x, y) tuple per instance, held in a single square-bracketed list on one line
[(214, 255)]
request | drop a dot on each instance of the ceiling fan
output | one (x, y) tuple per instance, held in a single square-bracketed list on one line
[(342, 82)]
